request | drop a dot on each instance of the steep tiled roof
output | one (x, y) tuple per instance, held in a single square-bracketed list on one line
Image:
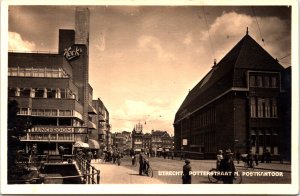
[(247, 54)]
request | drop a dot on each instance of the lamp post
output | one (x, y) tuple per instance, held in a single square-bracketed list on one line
[(48, 148)]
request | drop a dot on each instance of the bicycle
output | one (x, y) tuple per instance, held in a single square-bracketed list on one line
[(148, 171), (214, 176)]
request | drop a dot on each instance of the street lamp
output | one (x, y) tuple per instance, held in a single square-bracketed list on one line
[(48, 148)]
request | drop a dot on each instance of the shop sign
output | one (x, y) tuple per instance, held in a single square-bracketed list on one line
[(72, 52), (52, 129)]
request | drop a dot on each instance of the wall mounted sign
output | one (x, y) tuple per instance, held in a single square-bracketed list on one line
[(72, 52)]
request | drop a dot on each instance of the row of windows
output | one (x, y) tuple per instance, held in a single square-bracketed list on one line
[(37, 72), (45, 112), (264, 138), (41, 93), (263, 107), (263, 81), (204, 119), (68, 137)]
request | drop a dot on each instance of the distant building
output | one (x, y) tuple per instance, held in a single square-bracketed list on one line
[(147, 145), (243, 103), (137, 137)]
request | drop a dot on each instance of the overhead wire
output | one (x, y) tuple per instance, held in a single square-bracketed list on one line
[(209, 37), (262, 39)]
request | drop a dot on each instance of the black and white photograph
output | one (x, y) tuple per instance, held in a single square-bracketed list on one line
[(134, 97)]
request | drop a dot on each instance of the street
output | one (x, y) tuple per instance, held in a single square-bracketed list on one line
[(168, 171)]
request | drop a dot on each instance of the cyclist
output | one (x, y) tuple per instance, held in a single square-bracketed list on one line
[(227, 165)]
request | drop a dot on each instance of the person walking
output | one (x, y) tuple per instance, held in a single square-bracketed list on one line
[(61, 150), (141, 162), (227, 167), (219, 159), (238, 156), (89, 156), (186, 175)]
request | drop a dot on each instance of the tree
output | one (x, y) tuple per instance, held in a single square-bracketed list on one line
[(17, 127)]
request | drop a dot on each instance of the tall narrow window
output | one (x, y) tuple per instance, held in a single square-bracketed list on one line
[(252, 107), (260, 107), (267, 81), (259, 81), (267, 108), (274, 82), (252, 81), (274, 107)]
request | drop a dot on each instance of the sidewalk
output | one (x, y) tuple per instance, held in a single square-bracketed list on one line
[(274, 166), (114, 174)]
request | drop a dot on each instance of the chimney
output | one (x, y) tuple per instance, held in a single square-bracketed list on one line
[(82, 25)]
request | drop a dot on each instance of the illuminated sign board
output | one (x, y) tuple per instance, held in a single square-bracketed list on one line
[(184, 142), (72, 52)]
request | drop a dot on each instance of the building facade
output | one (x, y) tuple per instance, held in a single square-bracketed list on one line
[(137, 137), (53, 90), (239, 105)]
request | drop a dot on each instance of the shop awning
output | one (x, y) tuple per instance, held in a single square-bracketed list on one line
[(91, 125), (80, 144), (101, 118), (94, 144), (92, 110)]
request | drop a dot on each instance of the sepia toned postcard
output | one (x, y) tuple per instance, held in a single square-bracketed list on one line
[(149, 97)]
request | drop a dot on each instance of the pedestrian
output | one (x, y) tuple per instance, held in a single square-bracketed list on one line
[(219, 158), (186, 172), (263, 157), (141, 162), (89, 156), (238, 156), (268, 156), (61, 150), (95, 156), (172, 155), (250, 159), (256, 158), (227, 167)]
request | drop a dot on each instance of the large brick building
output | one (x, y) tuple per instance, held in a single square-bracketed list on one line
[(242, 103), (54, 91)]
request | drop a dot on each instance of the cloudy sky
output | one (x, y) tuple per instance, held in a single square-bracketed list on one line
[(144, 59)]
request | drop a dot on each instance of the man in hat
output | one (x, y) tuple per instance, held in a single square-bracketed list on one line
[(186, 176), (227, 167)]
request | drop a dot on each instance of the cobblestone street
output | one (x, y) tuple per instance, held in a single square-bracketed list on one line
[(128, 174)]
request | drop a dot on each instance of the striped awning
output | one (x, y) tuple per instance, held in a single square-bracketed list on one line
[(94, 144), (80, 144)]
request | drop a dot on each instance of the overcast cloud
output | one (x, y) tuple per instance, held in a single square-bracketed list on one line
[(144, 60)]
